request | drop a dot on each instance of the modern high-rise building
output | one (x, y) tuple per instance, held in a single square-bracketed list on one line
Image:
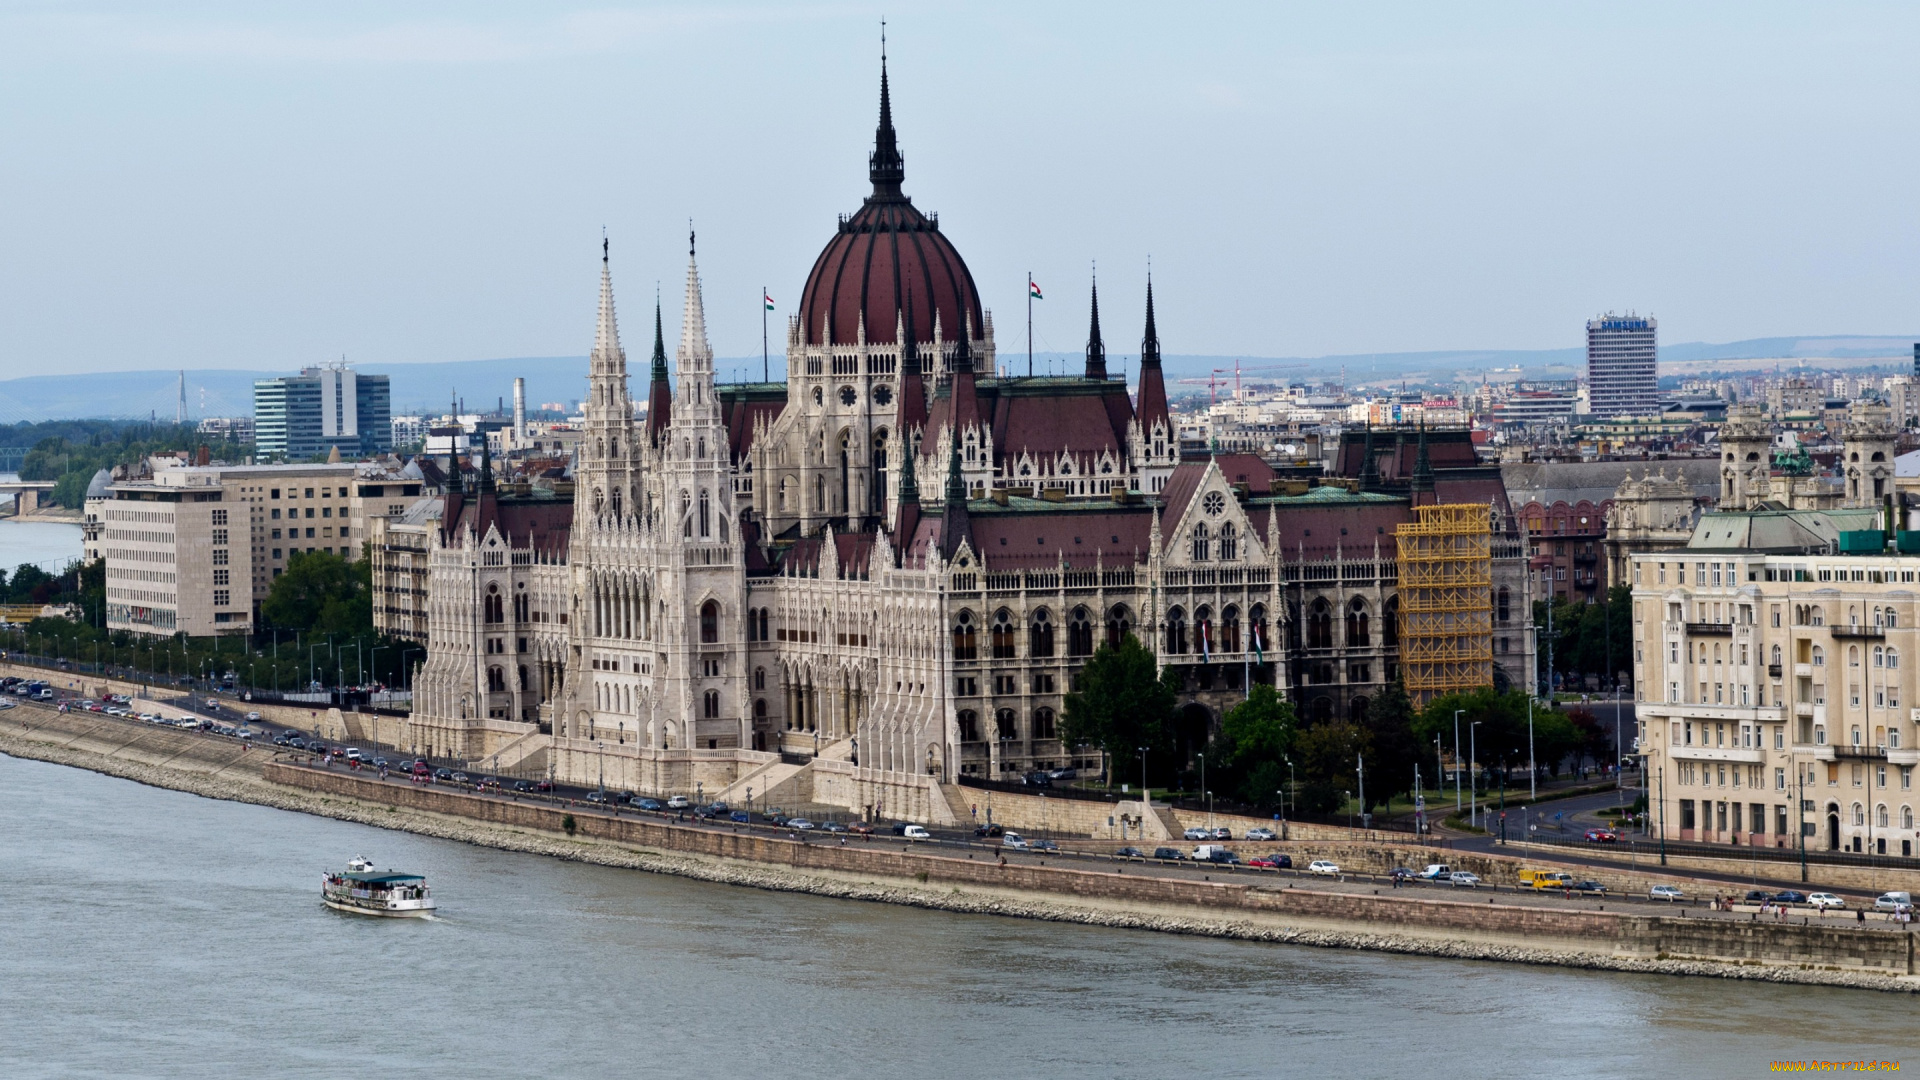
[(1622, 365), (308, 415)]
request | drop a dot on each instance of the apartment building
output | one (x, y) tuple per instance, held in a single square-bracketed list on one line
[(1775, 659), (194, 548)]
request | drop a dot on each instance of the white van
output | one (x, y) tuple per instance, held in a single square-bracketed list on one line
[(1436, 872)]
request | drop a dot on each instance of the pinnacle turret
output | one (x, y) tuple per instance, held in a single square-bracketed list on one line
[(1096, 349)]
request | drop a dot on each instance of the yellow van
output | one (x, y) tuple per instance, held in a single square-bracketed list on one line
[(1546, 879)]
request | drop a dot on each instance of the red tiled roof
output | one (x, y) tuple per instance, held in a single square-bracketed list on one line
[(1037, 540)]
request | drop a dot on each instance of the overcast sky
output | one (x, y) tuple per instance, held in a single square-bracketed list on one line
[(267, 185)]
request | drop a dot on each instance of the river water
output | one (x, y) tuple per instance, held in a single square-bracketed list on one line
[(51, 544), (153, 933)]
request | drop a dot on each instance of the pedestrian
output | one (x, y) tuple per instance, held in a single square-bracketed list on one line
[(1860, 916)]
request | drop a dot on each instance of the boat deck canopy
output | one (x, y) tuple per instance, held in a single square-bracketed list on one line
[(382, 879)]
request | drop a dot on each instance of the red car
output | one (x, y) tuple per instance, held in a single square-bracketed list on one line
[(1272, 862), (1602, 836)]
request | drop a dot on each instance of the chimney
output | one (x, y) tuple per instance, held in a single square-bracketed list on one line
[(519, 410)]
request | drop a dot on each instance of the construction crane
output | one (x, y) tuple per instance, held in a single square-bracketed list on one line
[(1212, 380)]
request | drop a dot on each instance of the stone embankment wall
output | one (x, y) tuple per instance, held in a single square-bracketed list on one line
[(332, 724), (1572, 933), (1819, 876), (1045, 815)]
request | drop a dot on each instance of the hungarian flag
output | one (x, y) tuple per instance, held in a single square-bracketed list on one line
[(1206, 649), (1259, 647), (1033, 290), (768, 299)]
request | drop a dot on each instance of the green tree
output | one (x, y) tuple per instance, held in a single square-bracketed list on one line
[(1329, 758), (1396, 750), (321, 593), (1250, 752), (1120, 704)]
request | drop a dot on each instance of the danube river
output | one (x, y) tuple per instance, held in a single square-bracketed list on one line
[(147, 932), (50, 544)]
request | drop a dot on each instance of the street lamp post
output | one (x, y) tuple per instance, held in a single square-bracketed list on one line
[(1533, 770), (1473, 783), (1456, 759), (1146, 796)]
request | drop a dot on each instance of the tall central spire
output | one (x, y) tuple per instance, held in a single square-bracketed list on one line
[(885, 166), (1096, 349), (606, 333)]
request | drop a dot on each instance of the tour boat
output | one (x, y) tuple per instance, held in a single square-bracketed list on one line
[(359, 889)]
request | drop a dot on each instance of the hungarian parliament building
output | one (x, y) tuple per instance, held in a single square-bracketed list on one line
[(867, 583)]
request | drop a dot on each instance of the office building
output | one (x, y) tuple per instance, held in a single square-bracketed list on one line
[(305, 416), (1622, 369)]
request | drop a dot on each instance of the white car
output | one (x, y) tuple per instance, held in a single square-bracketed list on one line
[(1464, 879), (1323, 866), (1198, 833), (1435, 872), (679, 802), (253, 718), (916, 832), (353, 753), (1013, 841), (1824, 900), (1670, 893), (1895, 902), (1260, 834)]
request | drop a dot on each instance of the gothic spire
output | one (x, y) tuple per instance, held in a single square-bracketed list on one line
[(486, 468), (659, 347), (1150, 341), (1153, 387), (956, 479), (1096, 349), (954, 523), (913, 395), (909, 486), (885, 166), (1422, 480), (606, 334), (1369, 469), (693, 323)]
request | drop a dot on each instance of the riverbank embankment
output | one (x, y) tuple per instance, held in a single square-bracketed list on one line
[(897, 873)]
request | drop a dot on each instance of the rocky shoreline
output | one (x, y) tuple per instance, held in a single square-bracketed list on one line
[(246, 785)]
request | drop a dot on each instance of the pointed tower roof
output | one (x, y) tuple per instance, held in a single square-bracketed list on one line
[(1096, 349), (907, 521), (912, 409), (885, 166), (1369, 468), (659, 390), (954, 523), (606, 332), (693, 321), (1153, 386), (1421, 482)]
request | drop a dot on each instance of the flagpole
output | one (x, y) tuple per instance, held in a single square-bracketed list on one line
[(1029, 324), (766, 374)]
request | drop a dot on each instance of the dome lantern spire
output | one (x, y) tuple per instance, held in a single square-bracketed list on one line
[(885, 166)]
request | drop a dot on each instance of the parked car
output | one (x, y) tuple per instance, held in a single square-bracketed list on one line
[(1037, 779), (1197, 833), (1068, 773), (1589, 888), (1167, 854), (1272, 862), (1261, 834), (1463, 879), (1896, 902), (1758, 896), (1436, 872), (989, 830), (1129, 853), (1221, 833), (1013, 841), (1323, 866), (679, 802), (1670, 893), (917, 832), (1789, 896), (1824, 901)]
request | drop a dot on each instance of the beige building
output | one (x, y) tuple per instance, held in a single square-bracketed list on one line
[(1774, 701), (193, 549)]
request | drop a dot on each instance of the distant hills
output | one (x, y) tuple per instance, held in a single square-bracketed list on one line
[(483, 383)]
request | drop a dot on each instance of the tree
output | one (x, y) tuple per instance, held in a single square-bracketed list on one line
[(322, 593), (1396, 750), (1250, 752), (1119, 705), (1329, 758)]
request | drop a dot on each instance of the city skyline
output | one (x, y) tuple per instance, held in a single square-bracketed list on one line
[(281, 192)]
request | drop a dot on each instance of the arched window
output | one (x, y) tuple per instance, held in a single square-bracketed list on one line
[(1119, 625), (1859, 814), (1321, 710), (1906, 817), (966, 637), (1004, 727), (523, 678), (1205, 639), (706, 513), (969, 725), (1080, 633), (1040, 634), (1320, 624), (1002, 635), (492, 604), (1257, 639), (496, 680), (1358, 624), (783, 491), (1853, 656), (710, 705), (759, 678), (753, 625), (1819, 656), (1043, 727), (1201, 542), (1357, 710), (1230, 630), (1503, 604), (759, 708), (1879, 657), (1893, 658), (1893, 618), (710, 623), (1229, 543), (1880, 815), (1776, 656), (1176, 631)]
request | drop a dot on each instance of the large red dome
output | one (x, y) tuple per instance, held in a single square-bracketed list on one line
[(882, 253)]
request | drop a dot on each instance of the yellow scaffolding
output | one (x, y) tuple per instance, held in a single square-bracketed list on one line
[(1446, 600)]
